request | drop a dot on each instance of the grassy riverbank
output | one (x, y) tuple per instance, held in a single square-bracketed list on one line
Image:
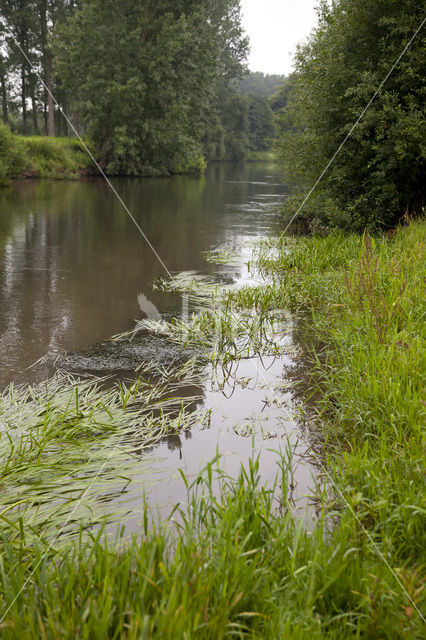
[(40, 157), (62, 158), (239, 566)]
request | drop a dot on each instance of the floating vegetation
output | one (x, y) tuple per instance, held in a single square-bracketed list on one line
[(198, 288), (223, 255), (67, 446)]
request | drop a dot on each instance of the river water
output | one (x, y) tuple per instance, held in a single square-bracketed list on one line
[(73, 272)]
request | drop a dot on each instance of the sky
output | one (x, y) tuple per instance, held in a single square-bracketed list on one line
[(275, 27)]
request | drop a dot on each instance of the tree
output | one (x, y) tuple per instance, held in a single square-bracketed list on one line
[(378, 175), (147, 106), (261, 123), (47, 69), (19, 16), (29, 25), (3, 88), (260, 84)]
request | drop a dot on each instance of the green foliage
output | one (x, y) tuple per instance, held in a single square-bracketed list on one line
[(378, 175), (147, 107), (261, 124), (279, 99), (242, 126), (165, 100), (236, 563), (56, 157), (38, 156), (235, 122), (259, 84), (12, 155)]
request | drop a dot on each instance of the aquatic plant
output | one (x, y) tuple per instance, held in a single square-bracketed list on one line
[(69, 443)]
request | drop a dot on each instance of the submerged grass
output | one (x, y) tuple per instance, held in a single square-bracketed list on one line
[(57, 437), (238, 565)]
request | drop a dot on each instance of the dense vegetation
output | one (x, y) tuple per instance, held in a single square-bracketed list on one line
[(260, 84), (41, 157), (143, 80), (168, 98), (378, 175), (238, 565)]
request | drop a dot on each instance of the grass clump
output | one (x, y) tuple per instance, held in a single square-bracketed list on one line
[(57, 158), (58, 437), (236, 565), (12, 155)]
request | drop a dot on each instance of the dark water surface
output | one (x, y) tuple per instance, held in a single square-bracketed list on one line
[(72, 270), (72, 264)]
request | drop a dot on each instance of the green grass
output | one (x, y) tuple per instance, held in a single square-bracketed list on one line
[(40, 157), (57, 158), (238, 565)]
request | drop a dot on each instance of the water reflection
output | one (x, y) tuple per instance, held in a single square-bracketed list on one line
[(72, 263), (74, 271)]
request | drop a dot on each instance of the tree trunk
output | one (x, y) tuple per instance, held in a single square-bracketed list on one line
[(45, 112), (23, 99), (3, 92), (34, 106), (47, 64)]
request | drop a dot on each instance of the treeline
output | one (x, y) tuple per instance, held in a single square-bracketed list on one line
[(153, 84), (260, 84), (245, 117), (377, 177)]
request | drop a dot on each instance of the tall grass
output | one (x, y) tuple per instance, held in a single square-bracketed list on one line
[(40, 156)]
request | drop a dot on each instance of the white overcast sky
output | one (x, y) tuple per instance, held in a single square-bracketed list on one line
[(275, 27)]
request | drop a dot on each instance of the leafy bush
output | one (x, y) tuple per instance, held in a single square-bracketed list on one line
[(377, 176)]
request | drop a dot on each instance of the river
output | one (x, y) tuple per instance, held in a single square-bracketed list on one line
[(74, 270)]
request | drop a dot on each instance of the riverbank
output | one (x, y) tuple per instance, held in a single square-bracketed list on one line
[(239, 565), (41, 157), (65, 158)]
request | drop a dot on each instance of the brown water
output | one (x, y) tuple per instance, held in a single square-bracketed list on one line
[(72, 266)]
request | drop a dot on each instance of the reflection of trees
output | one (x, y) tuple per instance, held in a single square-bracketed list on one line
[(72, 263), (303, 385)]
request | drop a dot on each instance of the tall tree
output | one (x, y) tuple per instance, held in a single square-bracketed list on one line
[(147, 105), (47, 68), (20, 18), (378, 175)]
